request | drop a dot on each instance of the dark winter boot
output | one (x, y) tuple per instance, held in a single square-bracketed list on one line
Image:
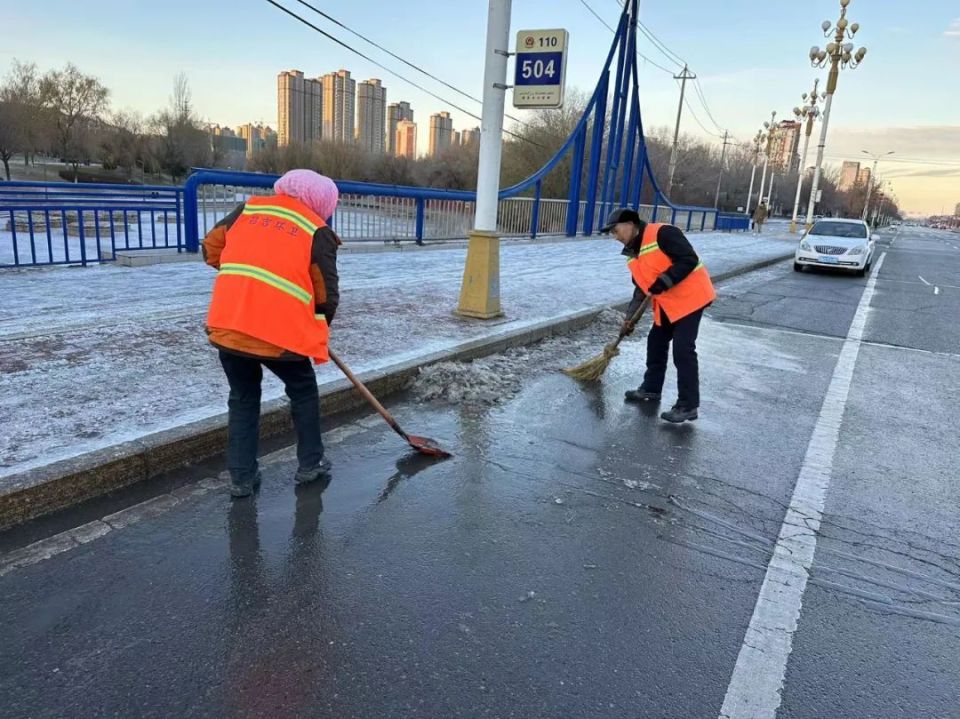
[(641, 395), (678, 414), (239, 490), (305, 476)]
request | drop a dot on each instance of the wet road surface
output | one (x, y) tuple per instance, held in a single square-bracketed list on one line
[(576, 558)]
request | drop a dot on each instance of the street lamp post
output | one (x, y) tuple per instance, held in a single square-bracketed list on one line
[(753, 170), (768, 126), (811, 112), (840, 54), (872, 181)]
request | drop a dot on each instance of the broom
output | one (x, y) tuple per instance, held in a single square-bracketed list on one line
[(593, 369)]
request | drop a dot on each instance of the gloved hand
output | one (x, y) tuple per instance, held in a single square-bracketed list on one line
[(658, 286)]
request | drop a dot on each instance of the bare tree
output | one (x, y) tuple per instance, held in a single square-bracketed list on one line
[(76, 101), (20, 113), (184, 143)]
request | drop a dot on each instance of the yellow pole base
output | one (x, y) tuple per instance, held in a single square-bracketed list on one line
[(809, 225), (480, 291), (793, 226)]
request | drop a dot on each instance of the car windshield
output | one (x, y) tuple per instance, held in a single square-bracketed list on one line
[(839, 229)]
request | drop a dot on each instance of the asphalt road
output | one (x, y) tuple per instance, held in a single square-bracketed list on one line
[(576, 557)]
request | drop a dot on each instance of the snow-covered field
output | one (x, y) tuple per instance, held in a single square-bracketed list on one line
[(91, 357)]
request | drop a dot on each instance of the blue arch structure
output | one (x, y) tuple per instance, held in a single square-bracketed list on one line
[(618, 169)]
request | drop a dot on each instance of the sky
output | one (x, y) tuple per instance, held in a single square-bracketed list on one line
[(750, 58)]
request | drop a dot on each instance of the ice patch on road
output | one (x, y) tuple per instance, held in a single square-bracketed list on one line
[(494, 379)]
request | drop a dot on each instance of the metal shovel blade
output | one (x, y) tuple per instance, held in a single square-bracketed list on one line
[(425, 445)]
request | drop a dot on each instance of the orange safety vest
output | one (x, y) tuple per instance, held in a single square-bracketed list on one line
[(693, 292), (264, 288)]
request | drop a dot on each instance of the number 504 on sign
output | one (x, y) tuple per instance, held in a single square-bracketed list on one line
[(540, 68)]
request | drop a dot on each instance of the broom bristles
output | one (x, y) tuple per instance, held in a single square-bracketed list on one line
[(593, 369)]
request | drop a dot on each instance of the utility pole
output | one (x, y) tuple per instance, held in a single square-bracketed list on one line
[(682, 77), (723, 156), (480, 291)]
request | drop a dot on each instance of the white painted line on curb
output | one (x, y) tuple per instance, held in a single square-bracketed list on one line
[(924, 281), (756, 684)]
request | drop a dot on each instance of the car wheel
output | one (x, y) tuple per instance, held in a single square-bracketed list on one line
[(861, 272), (797, 267)]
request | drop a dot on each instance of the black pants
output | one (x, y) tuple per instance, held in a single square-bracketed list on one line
[(683, 333), (300, 382)]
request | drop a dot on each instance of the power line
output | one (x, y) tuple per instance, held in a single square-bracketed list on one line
[(674, 57), (902, 160), (401, 59), (703, 101), (686, 101), (392, 72)]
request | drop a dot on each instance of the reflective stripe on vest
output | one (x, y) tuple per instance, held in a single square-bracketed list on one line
[(269, 278), (281, 213)]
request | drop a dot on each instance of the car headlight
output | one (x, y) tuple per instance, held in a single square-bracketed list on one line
[(805, 246), (857, 250)]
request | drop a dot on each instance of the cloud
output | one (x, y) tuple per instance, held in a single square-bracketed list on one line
[(954, 29)]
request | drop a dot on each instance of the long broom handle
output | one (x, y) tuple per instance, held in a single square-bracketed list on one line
[(636, 317), (367, 394)]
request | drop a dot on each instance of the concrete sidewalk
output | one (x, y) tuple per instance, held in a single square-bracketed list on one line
[(91, 359)]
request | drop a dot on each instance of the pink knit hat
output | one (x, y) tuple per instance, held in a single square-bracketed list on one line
[(316, 191)]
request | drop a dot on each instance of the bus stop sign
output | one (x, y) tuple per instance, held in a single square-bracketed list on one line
[(540, 68)]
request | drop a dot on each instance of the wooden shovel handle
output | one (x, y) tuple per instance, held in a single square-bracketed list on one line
[(367, 394)]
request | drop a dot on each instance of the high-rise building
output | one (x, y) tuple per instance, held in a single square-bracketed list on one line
[(299, 108), (257, 137), (396, 112), (863, 177), (784, 142), (848, 175), (470, 137), (406, 139), (441, 132), (339, 100), (456, 138), (371, 115), (956, 210)]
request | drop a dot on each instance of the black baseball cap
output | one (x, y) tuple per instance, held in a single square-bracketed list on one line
[(624, 214)]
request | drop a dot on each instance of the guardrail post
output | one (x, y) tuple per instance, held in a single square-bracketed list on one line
[(421, 212), (83, 238), (689, 219), (178, 216), (703, 221), (535, 211), (190, 211), (673, 216)]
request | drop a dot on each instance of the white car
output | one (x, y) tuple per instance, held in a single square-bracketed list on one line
[(838, 243)]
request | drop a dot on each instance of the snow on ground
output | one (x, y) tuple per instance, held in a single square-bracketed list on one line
[(91, 357)]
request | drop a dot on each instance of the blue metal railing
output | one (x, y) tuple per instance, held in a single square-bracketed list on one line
[(64, 223)]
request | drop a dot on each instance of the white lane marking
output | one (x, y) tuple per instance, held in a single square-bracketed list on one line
[(936, 290), (924, 281), (755, 687)]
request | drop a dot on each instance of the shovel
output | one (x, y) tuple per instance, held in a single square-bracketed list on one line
[(423, 445)]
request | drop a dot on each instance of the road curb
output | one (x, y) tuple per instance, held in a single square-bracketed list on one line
[(59, 485)]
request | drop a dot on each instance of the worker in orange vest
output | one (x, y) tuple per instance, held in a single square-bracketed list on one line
[(663, 264), (274, 298)]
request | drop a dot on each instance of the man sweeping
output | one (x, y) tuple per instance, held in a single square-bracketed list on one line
[(275, 295), (663, 264)]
